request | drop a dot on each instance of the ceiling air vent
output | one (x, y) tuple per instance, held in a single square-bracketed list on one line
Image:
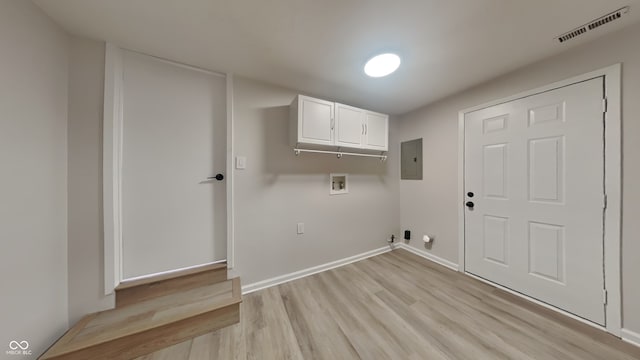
[(572, 34), (593, 24)]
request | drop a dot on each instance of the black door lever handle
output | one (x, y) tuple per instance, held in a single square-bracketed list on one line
[(218, 177)]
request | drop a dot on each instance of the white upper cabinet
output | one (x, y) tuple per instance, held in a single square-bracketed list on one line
[(376, 131), (349, 126), (320, 122), (313, 121)]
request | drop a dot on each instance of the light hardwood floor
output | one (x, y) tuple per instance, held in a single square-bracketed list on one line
[(396, 306)]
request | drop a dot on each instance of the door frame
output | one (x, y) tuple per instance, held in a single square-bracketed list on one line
[(612, 185), (113, 125)]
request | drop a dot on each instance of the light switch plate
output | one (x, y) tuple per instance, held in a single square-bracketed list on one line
[(241, 162)]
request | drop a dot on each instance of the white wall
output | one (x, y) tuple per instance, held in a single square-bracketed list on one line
[(430, 205), (33, 185), (278, 190), (85, 244)]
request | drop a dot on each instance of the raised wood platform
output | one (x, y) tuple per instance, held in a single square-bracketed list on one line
[(153, 314), (130, 292)]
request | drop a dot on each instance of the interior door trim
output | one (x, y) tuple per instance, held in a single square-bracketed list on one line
[(112, 163), (612, 182)]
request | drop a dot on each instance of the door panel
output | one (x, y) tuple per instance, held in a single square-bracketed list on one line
[(349, 126), (495, 124), (536, 166), (495, 171), (496, 239), (546, 169), (174, 137), (548, 113), (317, 121), (546, 251), (376, 131)]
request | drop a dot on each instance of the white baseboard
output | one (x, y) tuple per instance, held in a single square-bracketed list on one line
[(171, 271), (631, 337), (427, 255), (249, 288)]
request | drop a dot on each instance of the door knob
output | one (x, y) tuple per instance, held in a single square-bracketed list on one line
[(470, 194), (470, 204), (218, 177)]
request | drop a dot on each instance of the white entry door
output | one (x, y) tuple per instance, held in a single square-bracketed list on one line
[(174, 138), (534, 197)]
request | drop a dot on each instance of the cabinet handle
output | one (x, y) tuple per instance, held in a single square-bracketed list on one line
[(366, 129), (333, 124), (362, 129)]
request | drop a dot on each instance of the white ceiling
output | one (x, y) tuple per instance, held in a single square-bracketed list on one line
[(320, 46)]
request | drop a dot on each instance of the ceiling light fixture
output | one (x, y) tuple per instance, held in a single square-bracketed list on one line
[(382, 65)]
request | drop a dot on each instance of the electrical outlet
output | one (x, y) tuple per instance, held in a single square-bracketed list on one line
[(300, 228)]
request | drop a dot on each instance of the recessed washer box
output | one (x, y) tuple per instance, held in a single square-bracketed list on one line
[(338, 184)]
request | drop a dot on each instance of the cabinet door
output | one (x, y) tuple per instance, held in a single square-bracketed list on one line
[(376, 131), (349, 126), (315, 121)]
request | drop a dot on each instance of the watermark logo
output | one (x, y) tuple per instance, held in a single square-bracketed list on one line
[(18, 348)]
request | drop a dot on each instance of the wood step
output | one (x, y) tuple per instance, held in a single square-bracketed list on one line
[(144, 327), (134, 291)]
